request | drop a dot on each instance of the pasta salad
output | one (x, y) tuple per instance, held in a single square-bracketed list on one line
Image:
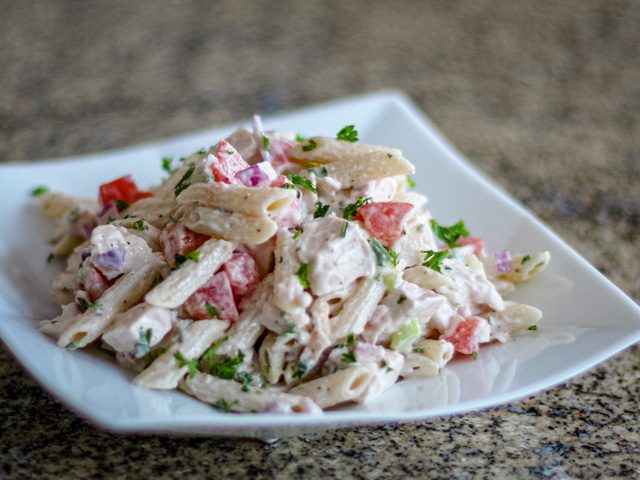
[(273, 273)]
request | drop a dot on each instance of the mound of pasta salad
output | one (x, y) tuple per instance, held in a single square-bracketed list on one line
[(273, 273)]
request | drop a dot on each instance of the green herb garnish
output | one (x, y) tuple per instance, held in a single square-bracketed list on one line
[(139, 225), (122, 205), (50, 257), (300, 368), (348, 357), (303, 273), (450, 235), (192, 365), (246, 379), (143, 347), (299, 138), (526, 258), (166, 164), (222, 405), (183, 183), (36, 192), (226, 368), (202, 151), (343, 229), (348, 134), (297, 233), (193, 256), (351, 340), (474, 355), (433, 259), (401, 299), (394, 257), (301, 181), (533, 328), (208, 355), (350, 211), (410, 182), (266, 144), (311, 145), (290, 330), (211, 310), (321, 210), (382, 256)]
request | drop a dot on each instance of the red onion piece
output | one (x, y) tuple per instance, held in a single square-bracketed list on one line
[(112, 260), (503, 261), (258, 175)]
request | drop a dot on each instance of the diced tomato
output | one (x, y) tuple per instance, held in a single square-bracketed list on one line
[(179, 239), (465, 338), (95, 284), (243, 274), (124, 189), (385, 220), (477, 242), (217, 293), (225, 164)]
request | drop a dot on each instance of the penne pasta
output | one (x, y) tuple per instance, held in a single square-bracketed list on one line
[(230, 226)]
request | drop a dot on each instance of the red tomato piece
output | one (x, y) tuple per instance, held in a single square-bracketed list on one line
[(465, 338), (226, 163), (179, 239), (477, 242), (217, 293), (124, 189), (243, 274), (95, 284), (385, 220), (279, 181)]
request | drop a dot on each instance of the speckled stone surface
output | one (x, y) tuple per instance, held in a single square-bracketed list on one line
[(542, 96)]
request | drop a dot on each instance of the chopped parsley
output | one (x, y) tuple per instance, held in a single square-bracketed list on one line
[(321, 210), (343, 229), (303, 273), (348, 357), (246, 379), (394, 257), (301, 181), (382, 256), (121, 204), (297, 233), (139, 225), (50, 257), (166, 164), (299, 138), (211, 310), (348, 134), (226, 368), (183, 183), (83, 305), (350, 211), (351, 340), (222, 405), (300, 368), (202, 151), (192, 365), (525, 259), (450, 235), (322, 173), (401, 299), (410, 182), (266, 144), (533, 328), (311, 145), (36, 192), (474, 355), (208, 355), (70, 346), (290, 330), (433, 259), (143, 347), (193, 256)]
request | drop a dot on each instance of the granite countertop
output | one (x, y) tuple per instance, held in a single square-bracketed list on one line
[(542, 96)]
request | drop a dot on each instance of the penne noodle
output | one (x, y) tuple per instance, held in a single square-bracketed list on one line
[(234, 227), (181, 283)]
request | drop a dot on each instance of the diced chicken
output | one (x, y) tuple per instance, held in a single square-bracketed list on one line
[(335, 261), (140, 327)]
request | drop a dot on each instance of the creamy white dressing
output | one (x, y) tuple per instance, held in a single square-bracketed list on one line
[(334, 261), (130, 328)]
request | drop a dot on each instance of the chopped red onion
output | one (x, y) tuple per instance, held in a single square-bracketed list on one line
[(503, 261), (85, 254), (258, 175), (109, 211), (111, 260)]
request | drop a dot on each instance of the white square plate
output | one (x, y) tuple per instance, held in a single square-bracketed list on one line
[(586, 318)]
